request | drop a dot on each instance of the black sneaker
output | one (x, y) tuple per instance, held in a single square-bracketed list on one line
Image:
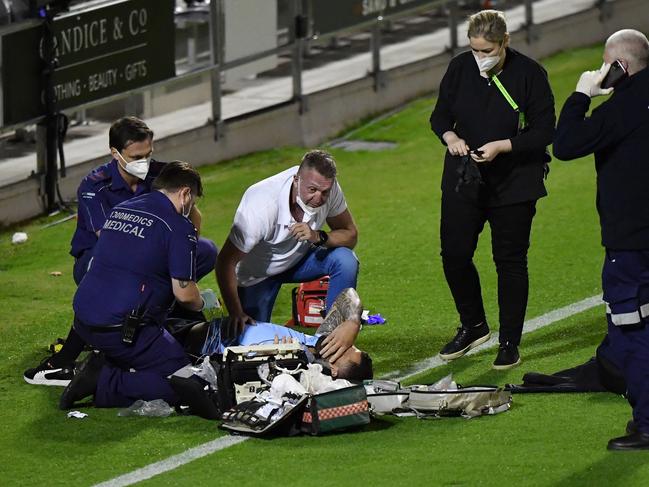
[(47, 375), (465, 340), (84, 383), (507, 357)]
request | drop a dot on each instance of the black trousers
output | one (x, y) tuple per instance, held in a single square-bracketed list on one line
[(462, 221)]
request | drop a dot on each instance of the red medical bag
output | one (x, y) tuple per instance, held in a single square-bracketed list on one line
[(309, 302)]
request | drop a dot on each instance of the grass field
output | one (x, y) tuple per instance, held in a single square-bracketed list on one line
[(394, 196)]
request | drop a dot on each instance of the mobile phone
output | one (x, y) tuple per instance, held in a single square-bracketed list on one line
[(615, 74)]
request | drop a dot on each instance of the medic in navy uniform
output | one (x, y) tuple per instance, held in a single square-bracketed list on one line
[(617, 132), (130, 173), (145, 258)]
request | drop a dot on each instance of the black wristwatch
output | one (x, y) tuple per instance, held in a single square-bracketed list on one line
[(323, 238)]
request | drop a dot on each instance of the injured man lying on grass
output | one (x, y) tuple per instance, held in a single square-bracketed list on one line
[(332, 346)]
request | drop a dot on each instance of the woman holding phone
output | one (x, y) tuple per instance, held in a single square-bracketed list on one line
[(495, 114)]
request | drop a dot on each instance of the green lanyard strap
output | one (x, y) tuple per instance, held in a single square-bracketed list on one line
[(522, 123)]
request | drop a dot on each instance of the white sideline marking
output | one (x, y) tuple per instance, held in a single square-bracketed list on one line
[(173, 462), (530, 325), (223, 442)]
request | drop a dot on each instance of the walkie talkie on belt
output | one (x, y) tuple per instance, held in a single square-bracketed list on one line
[(131, 324)]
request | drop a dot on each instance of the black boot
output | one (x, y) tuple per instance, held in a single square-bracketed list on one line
[(85, 380), (633, 441), (197, 394)]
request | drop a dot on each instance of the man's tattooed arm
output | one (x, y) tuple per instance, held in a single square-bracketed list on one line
[(346, 307)]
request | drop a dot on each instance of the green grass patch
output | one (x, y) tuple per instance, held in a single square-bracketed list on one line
[(394, 197)]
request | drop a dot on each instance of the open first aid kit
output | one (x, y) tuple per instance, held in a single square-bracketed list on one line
[(239, 367), (271, 390), (444, 398)]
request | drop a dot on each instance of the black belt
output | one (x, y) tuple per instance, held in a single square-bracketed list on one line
[(110, 328), (104, 329)]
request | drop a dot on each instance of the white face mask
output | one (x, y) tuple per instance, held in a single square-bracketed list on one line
[(487, 63), (309, 211), (189, 206), (139, 168)]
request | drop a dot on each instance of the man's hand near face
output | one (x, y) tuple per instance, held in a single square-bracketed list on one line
[(340, 340), (302, 231)]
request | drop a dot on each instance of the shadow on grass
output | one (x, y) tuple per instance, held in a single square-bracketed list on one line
[(380, 423), (102, 427), (615, 468), (376, 424)]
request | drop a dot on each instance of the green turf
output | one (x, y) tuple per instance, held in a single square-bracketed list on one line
[(394, 196)]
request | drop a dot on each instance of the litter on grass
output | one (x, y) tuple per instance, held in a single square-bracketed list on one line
[(157, 408), (375, 319), (77, 415), (18, 238)]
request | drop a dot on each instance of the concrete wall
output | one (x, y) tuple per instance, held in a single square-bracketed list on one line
[(332, 111)]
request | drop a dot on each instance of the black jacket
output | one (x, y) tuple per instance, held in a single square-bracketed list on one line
[(618, 133), (474, 108)]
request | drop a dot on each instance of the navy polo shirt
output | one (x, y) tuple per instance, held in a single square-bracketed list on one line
[(144, 242), (101, 190)]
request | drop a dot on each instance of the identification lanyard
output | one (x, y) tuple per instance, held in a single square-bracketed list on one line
[(522, 123)]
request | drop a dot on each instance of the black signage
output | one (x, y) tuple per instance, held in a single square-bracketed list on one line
[(101, 51), (335, 15)]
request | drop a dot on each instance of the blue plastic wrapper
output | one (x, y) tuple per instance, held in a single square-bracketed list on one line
[(376, 319)]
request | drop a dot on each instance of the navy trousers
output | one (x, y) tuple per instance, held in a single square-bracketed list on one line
[(625, 281), (137, 371)]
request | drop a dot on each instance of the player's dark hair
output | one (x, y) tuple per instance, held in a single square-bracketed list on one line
[(357, 372), (177, 175), (127, 130)]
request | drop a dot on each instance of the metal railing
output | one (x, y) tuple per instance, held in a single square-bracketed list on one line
[(296, 46), (300, 35)]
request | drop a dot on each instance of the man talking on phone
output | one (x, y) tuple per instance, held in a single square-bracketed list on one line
[(617, 133)]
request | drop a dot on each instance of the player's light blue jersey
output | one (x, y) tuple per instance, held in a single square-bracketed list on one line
[(258, 334)]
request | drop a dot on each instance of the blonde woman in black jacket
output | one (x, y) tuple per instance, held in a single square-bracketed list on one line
[(495, 114)]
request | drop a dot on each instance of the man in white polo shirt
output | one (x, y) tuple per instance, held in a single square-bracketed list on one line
[(277, 237)]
